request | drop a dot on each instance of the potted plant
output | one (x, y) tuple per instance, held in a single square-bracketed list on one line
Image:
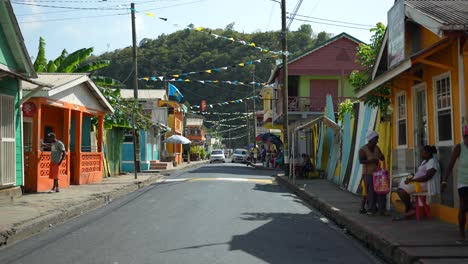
[(202, 153), (194, 153)]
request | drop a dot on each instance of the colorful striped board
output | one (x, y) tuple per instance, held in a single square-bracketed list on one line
[(366, 123), (332, 142), (346, 146), (320, 146)]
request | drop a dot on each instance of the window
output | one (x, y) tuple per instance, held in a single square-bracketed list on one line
[(443, 97), (7, 140), (401, 119)]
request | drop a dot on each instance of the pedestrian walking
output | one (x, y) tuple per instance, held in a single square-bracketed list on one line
[(57, 155), (370, 156), (460, 153)]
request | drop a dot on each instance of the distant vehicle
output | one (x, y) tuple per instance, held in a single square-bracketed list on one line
[(217, 155), (239, 155)]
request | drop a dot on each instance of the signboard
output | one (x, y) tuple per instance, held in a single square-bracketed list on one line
[(29, 109), (396, 33)]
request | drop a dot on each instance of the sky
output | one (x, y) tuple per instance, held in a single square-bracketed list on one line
[(105, 25)]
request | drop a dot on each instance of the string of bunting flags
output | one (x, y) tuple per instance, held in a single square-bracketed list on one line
[(227, 102), (208, 71), (225, 120), (220, 113), (241, 136), (227, 130), (242, 42), (235, 82)]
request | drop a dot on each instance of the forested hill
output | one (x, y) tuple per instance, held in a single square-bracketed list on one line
[(190, 50)]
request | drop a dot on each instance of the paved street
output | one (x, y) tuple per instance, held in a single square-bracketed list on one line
[(220, 213)]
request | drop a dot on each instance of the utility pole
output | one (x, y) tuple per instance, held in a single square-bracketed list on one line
[(284, 48), (248, 123), (254, 113), (136, 143)]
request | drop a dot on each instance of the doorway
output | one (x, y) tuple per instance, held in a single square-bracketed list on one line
[(421, 137)]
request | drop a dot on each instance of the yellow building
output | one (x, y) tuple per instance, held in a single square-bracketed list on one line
[(424, 59)]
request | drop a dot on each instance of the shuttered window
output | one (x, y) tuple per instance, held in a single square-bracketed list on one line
[(7, 140)]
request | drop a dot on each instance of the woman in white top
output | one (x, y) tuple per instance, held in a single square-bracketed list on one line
[(428, 169)]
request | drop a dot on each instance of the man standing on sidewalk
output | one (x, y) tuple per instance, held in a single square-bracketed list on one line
[(369, 156), (57, 155)]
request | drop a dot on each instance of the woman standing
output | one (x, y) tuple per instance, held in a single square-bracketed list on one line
[(460, 153)]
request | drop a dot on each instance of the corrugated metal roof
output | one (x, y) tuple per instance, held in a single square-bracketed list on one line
[(53, 79), (144, 94), (448, 12)]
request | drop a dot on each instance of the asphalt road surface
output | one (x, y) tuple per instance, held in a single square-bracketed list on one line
[(219, 213)]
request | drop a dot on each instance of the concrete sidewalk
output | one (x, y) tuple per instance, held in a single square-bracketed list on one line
[(31, 213), (426, 241)]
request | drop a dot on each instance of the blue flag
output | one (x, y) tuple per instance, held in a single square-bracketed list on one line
[(173, 91)]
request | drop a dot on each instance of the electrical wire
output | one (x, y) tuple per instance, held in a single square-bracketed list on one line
[(331, 24), (337, 21)]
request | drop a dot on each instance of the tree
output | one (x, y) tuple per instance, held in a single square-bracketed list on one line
[(367, 57)]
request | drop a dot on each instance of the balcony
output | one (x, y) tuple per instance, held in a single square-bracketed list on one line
[(312, 104)]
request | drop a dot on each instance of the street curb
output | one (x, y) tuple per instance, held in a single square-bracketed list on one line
[(375, 242), (36, 225)]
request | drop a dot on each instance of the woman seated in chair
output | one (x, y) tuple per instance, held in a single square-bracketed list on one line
[(428, 173)]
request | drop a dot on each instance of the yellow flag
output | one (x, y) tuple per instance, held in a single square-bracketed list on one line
[(187, 80), (231, 39), (208, 71), (199, 29), (175, 75), (241, 64), (149, 14), (252, 44), (216, 81), (146, 78)]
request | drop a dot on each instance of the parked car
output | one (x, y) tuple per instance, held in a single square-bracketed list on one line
[(239, 155), (217, 155)]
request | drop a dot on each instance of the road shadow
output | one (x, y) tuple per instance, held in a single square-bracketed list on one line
[(273, 188), (296, 238)]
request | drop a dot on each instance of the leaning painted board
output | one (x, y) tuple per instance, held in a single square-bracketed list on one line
[(366, 123)]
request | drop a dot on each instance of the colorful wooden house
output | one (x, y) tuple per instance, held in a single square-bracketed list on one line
[(175, 121), (195, 131), (311, 77), (69, 108), (150, 140), (424, 60), (15, 65)]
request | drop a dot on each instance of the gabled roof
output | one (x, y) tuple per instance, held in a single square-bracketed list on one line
[(326, 43), (60, 82), (146, 94), (451, 14), (15, 40)]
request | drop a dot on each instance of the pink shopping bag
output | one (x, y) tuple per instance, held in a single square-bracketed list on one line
[(381, 180)]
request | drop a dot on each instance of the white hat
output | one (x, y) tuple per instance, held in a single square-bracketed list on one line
[(371, 135)]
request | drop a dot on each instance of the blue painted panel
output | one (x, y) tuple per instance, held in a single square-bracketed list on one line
[(346, 151), (85, 134)]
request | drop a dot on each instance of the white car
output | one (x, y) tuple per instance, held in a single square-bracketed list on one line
[(217, 155), (239, 155)]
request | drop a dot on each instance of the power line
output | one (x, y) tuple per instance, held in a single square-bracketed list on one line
[(70, 7), (331, 24), (337, 21)]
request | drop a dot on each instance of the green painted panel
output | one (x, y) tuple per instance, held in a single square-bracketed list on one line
[(9, 86), (86, 134), (6, 56), (304, 83)]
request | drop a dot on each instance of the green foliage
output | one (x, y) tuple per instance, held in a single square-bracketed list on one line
[(40, 63), (367, 57), (202, 152), (123, 111), (345, 107)]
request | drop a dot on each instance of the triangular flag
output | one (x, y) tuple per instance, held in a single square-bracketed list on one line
[(224, 68), (208, 71), (231, 39), (175, 75), (146, 78), (187, 80), (252, 44), (149, 14), (241, 64), (199, 28)]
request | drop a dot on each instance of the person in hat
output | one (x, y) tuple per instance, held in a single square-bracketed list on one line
[(460, 153), (370, 156), (57, 155)]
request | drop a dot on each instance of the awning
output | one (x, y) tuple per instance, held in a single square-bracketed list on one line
[(405, 65)]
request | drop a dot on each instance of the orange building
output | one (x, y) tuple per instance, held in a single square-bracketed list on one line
[(424, 60), (175, 120), (69, 110)]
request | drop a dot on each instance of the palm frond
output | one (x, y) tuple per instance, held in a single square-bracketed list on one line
[(58, 61), (71, 62), (51, 67), (92, 66), (40, 63)]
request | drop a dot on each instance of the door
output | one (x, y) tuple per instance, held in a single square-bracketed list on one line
[(421, 136)]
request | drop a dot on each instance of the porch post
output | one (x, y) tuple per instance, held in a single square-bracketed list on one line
[(36, 133), (100, 129), (66, 138), (77, 157)]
